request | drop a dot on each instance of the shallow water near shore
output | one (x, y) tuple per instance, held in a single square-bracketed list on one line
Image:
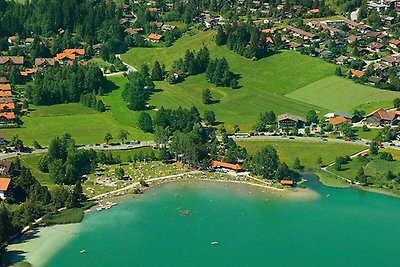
[(253, 227)]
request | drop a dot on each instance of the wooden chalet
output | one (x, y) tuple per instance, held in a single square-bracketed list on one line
[(11, 61), (290, 121)]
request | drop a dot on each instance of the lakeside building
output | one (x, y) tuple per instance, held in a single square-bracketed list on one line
[(225, 166)]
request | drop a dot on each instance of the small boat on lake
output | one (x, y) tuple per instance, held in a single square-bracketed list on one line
[(82, 251), (214, 243), (186, 212)]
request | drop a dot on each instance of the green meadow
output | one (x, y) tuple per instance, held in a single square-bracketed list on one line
[(307, 152), (339, 94), (87, 126)]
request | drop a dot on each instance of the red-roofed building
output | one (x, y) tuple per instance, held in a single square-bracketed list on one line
[(287, 182), (223, 165), (336, 121), (7, 117), (356, 73), (155, 38), (394, 43), (5, 87), (382, 117), (4, 185)]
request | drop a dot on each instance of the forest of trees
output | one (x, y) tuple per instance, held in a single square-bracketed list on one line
[(243, 38), (138, 88), (64, 162), (65, 84), (92, 20)]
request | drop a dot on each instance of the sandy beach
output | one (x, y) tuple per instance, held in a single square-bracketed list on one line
[(38, 246)]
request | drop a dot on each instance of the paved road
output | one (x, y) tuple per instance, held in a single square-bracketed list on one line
[(94, 147), (363, 142)]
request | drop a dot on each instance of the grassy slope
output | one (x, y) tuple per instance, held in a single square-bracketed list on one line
[(307, 152), (263, 82), (339, 94), (373, 168)]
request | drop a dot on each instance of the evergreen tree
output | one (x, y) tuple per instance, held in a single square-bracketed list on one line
[(145, 122), (220, 38), (157, 72), (206, 96), (209, 117), (266, 162)]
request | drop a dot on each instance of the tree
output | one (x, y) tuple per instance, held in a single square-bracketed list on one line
[(265, 162), (119, 172), (108, 137), (145, 122), (206, 96), (123, 135), (78, 191), (209, 117), (157, 72), (282, 172), (297, 164), (234, 83), (373, 148), (396, 103), (319, 160), (361, 176), (311, 117), (362, 11), (236, 128), (338, 71), (220, 38)]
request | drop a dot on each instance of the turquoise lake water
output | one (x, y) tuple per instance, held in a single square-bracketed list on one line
[(349, 228)]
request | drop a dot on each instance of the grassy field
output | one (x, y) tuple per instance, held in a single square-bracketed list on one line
[(307, 152), (85, 125), (367, 135), (340, 94), (74, 215), (330, 180), (374, 168), (118, 108)]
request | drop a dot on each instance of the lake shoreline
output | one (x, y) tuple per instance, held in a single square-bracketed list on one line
[(36, 234)]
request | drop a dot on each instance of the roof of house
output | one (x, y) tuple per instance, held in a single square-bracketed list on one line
[(357, 73), (286, 182), (5, 87), (381, 114), (16, 60), (155, 36), (220, 164), (337, 120), (294, 44), (394, 42), (70, 54), (6, 165), (267, 31), (7, 106), (40, 61), (8, 115), (27, 72), (3, 79), (314, 11), (291, 117), (343, 114), (300, 31), (4, 183), (374, 79), (5, 93)]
